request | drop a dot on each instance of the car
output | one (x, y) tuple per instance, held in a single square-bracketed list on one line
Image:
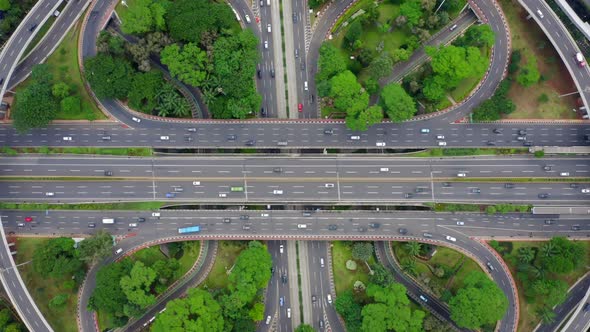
[(283, 143), (246, 227), (268, 28), (374, 225), (170, 195), (227, 220), (460, 223), (576, 227), (408, 195), (428, 235), (540, 13), (178, 189), (222, 195), (266, 44), (138, 120), (332, 227), (296, 53), (302, 65), (28, 219), (450, 238), (67, 138), (424, 130), (508, 185), (281, 301), (132, 225), (106, 138), (314, 298), (381, 144), (574, 185), (272, 72), (268, 319), (288, 312), (491, 143), (547, 168), (108, 173), (564, 174), (247, 19), (277, 170), (300, 107), (586, 307), (442, 143), (192, 130), (328, 131), (528, 143), (446, 184), (362, 229), (244, 217), (423, 298), (521, 138), (20, 224), (164, 138), (294, 18), (475, 191), (453, 27), (259, 73), (497, 130), (120, 250), (419, 190), (549, 221), (440, 136), (284, 278), (585, 191), (1, 80), (461, 175), (543, 195), (490, 266), (277, 192), (141, 219), (355, 137), (384, 169), (250, 142), (231, 137), (156, 214), (196, 183), (49, 194), (522, 132), (306, 214), (321, 323), (33, 27), (281, 248), (261, 3), (91, 225), (329, 185), (305, 87), (402, 231)]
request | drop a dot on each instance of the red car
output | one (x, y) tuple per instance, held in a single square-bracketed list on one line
[(28, 219), (300, 107)]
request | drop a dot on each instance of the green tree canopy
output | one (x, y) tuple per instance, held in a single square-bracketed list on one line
[(108, 295), (251, 271), (364, 118), (381, 66), (480, 302), (57, 258), (412, 10), (137, 285), (304, 328), (454, 63), (144, 90), (362, 250), (529, 73), (60, 90), (212, 17), (564, 256), (349, 309), (477, 35), (330, 63), (188, 64), (4, 5), (141, 16), (354, 32), (381, 276), (390, 311), (35, 106), (109, 77), (96, 247), (347, 94), (396, 102), (197, 312)]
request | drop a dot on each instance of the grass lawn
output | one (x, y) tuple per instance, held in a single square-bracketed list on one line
[(343, 278), (64, 66), (120, 8), (136, 152), (449, 259), (227, 252), (526, 35), (93, 206), (189, 257), (464, 88), (438, 152), (149, 255), (44, 289), (528, 317)]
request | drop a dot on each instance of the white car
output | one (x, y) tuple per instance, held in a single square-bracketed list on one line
[(564, 174), (164, 138), (268, 27), (355, 138), (440, 136), (196, 183), (450, 238), (49, 194), (329, 185), (585, 191), (281, 248), (442, 143), (461, 175), (264, 215), (132, 225), (268, 320), (380, 143), (120, 250), (288, 312), (67, 138), (138, 120), (155, 214), (277, 192), (424, 130), (247, 19), (460, 223), (384, 169), (266, 44), (222, 195)]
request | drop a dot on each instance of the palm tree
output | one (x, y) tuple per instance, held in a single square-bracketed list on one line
[(182, 108), (548, 249), (546, 314), (526, 254), (413, 248), (409, 266)]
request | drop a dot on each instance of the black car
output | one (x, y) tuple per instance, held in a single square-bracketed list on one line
[(262, 111), (403, 231), (250, 142), (1, 80), (491, 143), (272, 72), (574, 185), (528, 143), (33, 27), (586, 307), (374, 225), (259, 73), (497, 131), (446, 184), (108, 173), (294, 18), (302, 65), (475, 191), (314, 298), (509, 185), (576, 227), (141, 219), (328, 131), (543, 195), (522, 132), (332, 227), (284, 278)]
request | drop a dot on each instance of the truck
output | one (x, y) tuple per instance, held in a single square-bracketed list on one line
[(108, 220), (190, 229), (580, 59)]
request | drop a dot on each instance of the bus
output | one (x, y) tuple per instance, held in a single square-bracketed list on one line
[(240, 189), (190, 229), (108, 220)]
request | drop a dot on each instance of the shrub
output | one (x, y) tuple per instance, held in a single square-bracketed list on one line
[(350, 265)]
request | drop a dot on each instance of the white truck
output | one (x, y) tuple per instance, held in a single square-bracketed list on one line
[(108, 220)]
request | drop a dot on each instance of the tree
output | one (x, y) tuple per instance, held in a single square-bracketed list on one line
[(144, 90), (454, 63), (381, 66), (137, 285), (166, 270), (566, 255), (182, 25), (109, 77), (365, 118), (548, 292), (108, 295), (250, 273), (434, 88), (71, 105), (412, 11), (330, 63), (304, 328), (413, 248), (196, 312), (396, 102), (4, 5), (257, 312), (188, 64), (347, 94), (381, 276), (362, 250), (529, 73), (547, 314), (354, 32), (477, 36), (137, 18), (409, 266), (96, 247), (60, 90), (34, 107), (526, 254), (491, 109), (480, 302), (58, 301), (390, 311), (57, 258), (349, 309), (432, 324), (400, 54), (169, 101)]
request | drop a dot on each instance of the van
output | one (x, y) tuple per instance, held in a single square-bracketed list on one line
[(288, 312), (301, 225), (329, 298), (156, 214), (120, 250), (564, 174), (321, 262), (305, 85)]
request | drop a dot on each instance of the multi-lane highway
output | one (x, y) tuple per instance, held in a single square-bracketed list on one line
[(279, 304)]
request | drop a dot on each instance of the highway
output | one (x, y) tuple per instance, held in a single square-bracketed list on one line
[(278, 299)]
